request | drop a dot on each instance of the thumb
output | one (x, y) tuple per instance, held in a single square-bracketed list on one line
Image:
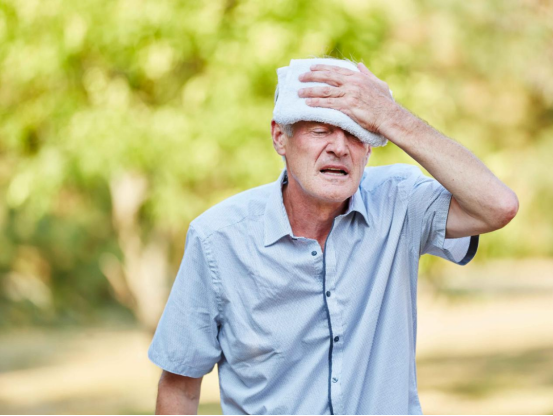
[(363, 68)]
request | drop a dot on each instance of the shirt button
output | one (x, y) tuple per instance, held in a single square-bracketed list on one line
[(313, 253), (336, 339), (328, 294), (334, 380)]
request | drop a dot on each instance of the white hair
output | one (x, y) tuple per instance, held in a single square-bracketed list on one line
[(288, 130)]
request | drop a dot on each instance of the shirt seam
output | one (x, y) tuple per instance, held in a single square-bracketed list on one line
[(443, 194), (215, 281), (207, 236), (397, 179)]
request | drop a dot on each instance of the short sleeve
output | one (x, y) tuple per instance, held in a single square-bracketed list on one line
[(428, 208), (186, 338)]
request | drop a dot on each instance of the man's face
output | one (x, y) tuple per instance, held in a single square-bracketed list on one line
[(325, 161)]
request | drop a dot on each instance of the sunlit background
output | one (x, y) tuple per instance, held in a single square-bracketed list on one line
[(122, 120)]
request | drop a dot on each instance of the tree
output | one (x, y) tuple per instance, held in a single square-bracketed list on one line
[(120, 121)]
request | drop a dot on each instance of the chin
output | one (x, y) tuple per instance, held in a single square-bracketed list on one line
[(335, 191), (335, 195)]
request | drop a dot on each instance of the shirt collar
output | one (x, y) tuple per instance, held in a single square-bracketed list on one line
[(276, 223)]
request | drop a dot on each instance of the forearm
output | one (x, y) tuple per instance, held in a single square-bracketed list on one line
[(171, 400), (477, 190)]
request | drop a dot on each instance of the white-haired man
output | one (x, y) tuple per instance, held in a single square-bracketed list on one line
[(303, 291)]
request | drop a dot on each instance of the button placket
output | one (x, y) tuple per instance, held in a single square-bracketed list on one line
[(315, 253), (337, 326)]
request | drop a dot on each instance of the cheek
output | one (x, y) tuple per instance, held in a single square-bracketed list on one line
[(300, 167), (359, 156), (306, 157)]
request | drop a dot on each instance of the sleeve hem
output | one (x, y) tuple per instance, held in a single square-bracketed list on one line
[(181, 370), (471, 252), (439, 247)]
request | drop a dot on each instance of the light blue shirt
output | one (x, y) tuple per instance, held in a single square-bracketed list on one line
[(298, 331)]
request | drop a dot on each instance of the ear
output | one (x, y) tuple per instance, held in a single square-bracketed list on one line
[(369, 151), (279, 138)]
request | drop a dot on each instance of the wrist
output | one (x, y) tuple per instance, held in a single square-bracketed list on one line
[(396, 123)]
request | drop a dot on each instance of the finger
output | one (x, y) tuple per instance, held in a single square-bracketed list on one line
[(327, 77), (320, 92), (361, 66), (333, 68), (366, 71), (324, 102)]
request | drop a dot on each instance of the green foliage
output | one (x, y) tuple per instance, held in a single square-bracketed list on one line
[(182, 93)]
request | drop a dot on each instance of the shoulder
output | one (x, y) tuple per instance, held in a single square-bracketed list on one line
[(396, 175), (244, 206)]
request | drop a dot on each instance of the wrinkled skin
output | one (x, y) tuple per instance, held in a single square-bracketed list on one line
[(325, 165)]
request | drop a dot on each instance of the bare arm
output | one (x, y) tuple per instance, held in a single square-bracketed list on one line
[(481, 202), (178, 395)]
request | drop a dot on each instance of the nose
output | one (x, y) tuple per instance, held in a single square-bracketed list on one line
[(338, 144)]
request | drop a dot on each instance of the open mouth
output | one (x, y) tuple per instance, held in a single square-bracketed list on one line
[(334, 172)]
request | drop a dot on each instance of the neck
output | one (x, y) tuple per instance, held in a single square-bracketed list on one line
[(309, 217)]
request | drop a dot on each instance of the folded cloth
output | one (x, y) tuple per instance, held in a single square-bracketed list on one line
[(290, 108)]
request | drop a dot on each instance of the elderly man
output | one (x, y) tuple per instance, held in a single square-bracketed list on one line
[(303, 291)]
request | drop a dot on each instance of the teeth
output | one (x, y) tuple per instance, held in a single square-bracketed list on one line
[(334, 171)]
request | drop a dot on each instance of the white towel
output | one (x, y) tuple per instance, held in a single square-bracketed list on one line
[(290, 108)]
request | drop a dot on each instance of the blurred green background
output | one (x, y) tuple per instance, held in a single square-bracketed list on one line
[(122, 120)]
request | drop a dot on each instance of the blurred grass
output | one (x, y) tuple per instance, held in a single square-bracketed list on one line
[(485, 375), (210, 409), (203, 409), (489, 354)]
